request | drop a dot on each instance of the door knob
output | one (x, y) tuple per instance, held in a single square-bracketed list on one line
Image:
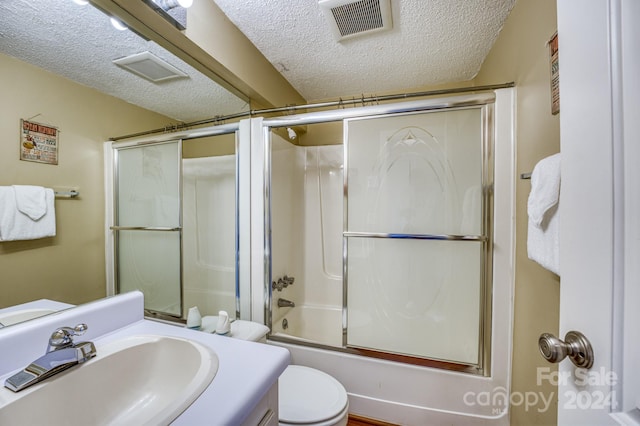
[(576, 346)]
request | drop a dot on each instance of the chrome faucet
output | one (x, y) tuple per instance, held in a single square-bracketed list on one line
[(62, 353), (288, 280), (284, 303)]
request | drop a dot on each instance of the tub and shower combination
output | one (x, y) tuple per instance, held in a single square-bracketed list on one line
[(398, 229), (397, 239)]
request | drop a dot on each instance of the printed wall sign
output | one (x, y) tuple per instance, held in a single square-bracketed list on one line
[(555, 74), (39, 142)]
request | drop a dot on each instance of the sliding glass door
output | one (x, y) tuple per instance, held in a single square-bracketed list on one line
[(148, 224), (417, 233)]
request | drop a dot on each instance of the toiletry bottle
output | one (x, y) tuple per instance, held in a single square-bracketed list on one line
[(223, 326), (194, 319)]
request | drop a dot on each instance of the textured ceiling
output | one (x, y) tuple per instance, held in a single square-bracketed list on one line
[(79, 43), (432, 42)]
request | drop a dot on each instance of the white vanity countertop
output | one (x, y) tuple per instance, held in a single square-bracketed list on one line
[(44, 304), (26, 311), (246, 370)]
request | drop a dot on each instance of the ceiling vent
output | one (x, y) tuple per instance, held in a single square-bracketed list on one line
[(149, 66), (349, 18)]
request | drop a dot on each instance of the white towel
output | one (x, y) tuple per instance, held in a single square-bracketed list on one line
[(543, 240), (30, 200), (16, 225)]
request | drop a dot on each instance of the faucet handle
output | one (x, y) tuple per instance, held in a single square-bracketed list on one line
[(63, 336)]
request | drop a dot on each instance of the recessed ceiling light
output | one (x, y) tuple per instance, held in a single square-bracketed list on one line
[(170, 4), (118, 25)]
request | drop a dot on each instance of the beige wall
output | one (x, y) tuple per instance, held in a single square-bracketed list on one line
[(210, 146), (521, 55), (69, 267)]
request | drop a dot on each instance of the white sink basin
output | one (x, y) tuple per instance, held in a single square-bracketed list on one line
[(15, 317), (138, 380)]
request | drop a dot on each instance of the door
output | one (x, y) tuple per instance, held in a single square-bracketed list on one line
[(147, 224), (599, 215), (417, 238)]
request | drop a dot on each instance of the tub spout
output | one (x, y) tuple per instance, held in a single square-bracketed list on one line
[(284, 303)]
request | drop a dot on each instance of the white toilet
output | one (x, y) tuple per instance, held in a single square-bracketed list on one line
[(306, 396)]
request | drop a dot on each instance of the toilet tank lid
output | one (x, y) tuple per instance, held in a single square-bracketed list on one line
[(248, 330), (240, 329)]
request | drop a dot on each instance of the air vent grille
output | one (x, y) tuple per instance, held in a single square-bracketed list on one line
[(149, 66), (356, 17), (349, 18)]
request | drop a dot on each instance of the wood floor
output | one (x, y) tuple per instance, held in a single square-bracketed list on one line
[(363, 421)]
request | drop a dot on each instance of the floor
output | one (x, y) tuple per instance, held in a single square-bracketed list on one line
[(363, 421)]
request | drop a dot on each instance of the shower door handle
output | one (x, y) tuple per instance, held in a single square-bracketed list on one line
[(576, 346)]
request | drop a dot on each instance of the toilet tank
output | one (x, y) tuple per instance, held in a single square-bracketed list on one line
[(240, 329), (249, 330)]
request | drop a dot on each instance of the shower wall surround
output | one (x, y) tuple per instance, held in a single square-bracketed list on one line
[(306, 238)]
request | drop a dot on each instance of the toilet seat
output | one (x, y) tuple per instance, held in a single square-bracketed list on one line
[(309, 396)]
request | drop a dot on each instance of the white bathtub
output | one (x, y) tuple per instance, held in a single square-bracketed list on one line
[(308, 323)]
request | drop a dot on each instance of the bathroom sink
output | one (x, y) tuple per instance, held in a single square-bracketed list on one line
[(15, 317), (137, 380)]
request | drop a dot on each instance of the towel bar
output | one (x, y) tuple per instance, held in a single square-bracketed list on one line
[(66, 194), (525, 176)]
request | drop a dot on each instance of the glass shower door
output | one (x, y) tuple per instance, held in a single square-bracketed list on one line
[(416, 234), (147, 224)]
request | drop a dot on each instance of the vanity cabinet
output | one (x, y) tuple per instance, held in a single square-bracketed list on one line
[(266, 412)]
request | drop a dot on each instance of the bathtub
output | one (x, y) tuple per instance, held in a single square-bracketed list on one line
[(310, 324)]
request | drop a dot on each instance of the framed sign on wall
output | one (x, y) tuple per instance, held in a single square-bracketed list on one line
[(555, 74), (39, 142)]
